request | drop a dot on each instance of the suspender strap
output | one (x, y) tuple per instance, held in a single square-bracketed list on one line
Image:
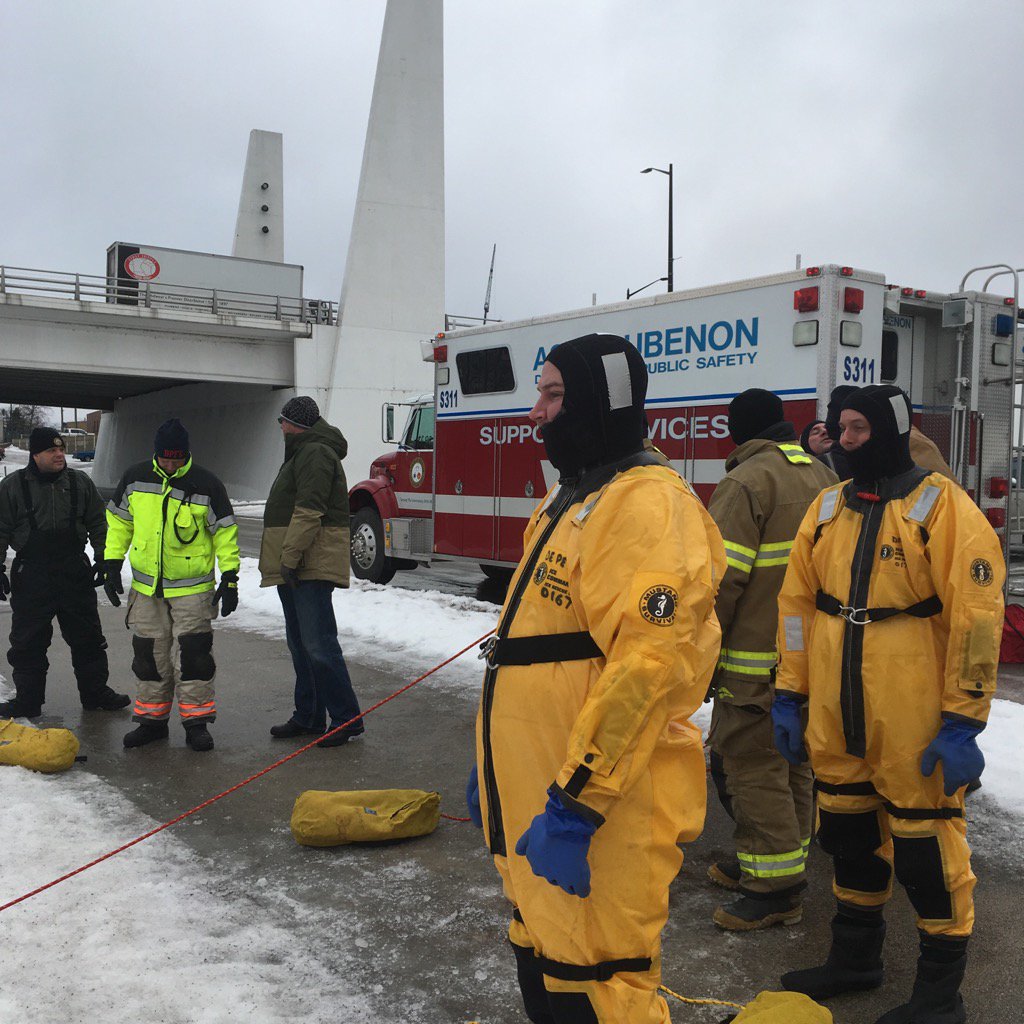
[(27, 495), (862, 616), (592, 972), (537, 650), (73, 483)]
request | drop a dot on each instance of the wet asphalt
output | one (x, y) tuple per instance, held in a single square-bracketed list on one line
[(418, 926)]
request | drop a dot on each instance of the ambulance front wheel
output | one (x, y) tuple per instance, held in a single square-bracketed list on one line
[(368, 559), (498, 573)]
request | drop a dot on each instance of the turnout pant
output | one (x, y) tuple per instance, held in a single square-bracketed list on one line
[(172, 641), (771, 801), (41, 591)]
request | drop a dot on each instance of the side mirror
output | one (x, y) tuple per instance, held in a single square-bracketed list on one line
[(387, 424)]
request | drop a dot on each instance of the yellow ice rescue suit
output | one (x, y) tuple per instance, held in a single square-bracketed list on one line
[(606, 645), (889, 624)]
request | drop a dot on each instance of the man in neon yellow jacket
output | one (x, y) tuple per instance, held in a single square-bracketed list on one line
[(177, 521), (889, 625), (588, 771)]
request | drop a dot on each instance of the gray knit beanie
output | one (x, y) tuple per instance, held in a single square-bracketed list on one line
[(301, 411)]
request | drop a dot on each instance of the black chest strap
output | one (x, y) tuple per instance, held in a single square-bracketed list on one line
[(30, 509), (863, 616), (540, 649)]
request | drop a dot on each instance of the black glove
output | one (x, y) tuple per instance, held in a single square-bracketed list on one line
[(227, 592), (99, 573), (5, 584), (290, 575), (112, 581)]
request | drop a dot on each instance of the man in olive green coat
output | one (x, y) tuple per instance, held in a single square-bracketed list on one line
[(305, 554)]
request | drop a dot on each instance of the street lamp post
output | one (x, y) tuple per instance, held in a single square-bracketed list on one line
[(647, 170)]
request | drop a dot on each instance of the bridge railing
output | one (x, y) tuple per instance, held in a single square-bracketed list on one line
[(155, 295)]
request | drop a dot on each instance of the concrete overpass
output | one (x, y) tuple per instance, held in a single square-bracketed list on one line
[(226, 363)]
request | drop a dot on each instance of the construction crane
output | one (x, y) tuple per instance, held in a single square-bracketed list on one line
[(490, 278)]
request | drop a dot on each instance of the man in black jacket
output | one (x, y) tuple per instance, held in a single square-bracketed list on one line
[(47, 512)]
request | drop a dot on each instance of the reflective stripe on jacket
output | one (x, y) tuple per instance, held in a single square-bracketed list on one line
[(758, 508), (179, 529)]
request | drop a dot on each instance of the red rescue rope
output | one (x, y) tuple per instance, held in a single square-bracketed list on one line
[(244, 782)]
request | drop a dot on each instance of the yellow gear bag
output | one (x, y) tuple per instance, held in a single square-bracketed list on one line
[(42, 750), (783, 1008), (322, 818)]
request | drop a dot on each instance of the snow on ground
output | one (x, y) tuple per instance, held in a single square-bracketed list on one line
[(244, 507), (135, 924), (383, 625)]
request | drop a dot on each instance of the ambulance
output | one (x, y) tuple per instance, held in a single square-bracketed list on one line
[(470, 467)]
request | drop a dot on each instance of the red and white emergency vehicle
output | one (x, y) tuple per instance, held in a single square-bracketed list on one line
[(470, 467)]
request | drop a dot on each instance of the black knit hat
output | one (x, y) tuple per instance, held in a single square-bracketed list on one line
[(602, 418), (301, 411), (753, 411), (171, 441), (805, 436), (887, 452), (43, 439)]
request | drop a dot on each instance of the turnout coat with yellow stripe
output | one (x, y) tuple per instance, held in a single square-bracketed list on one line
[(758, 508), (178, 527)]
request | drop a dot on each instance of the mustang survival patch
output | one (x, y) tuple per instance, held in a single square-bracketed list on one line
[(658, 605), (981, 572)]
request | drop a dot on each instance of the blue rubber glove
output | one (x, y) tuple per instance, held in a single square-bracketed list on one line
[(787, 727), (556, 845), (473, 799), (956, 746)]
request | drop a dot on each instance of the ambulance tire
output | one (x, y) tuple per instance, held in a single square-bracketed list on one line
[(368, 559)]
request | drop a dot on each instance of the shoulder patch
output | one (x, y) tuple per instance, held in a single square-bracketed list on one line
[(921, 508), (829, 501), (658, 605), (981, 572)]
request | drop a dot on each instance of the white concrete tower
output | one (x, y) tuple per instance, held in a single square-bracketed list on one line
[(393, 291), (259, 229)]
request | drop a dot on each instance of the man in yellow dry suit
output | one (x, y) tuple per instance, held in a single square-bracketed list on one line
[(590, 773), (889, 623), (758, 506)]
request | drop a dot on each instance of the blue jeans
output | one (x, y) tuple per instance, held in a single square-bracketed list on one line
[(322, 683)]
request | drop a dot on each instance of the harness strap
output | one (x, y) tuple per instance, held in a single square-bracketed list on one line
[(540, 649), (604, 971), (845, 788), (862, 616)]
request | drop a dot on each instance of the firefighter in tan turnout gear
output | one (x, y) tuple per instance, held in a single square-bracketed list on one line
[(889, 625), (590, 773), (758, 508)]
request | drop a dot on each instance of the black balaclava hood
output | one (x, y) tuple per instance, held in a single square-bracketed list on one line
[(834, 407), (887, 452), (752, 412), (805, 436), (602, 418)]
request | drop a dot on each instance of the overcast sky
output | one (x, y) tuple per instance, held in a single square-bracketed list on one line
[(887, 135)]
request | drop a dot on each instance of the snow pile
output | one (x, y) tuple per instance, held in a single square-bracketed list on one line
[(144, 936), (382, 625), (1003, 780), (249, 509)]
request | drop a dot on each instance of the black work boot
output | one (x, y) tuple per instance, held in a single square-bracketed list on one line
[(16, 709), (145, 732), (935, 998), (854, 962), (106, 700), (197, 737), (749, 913), (726, 873)]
